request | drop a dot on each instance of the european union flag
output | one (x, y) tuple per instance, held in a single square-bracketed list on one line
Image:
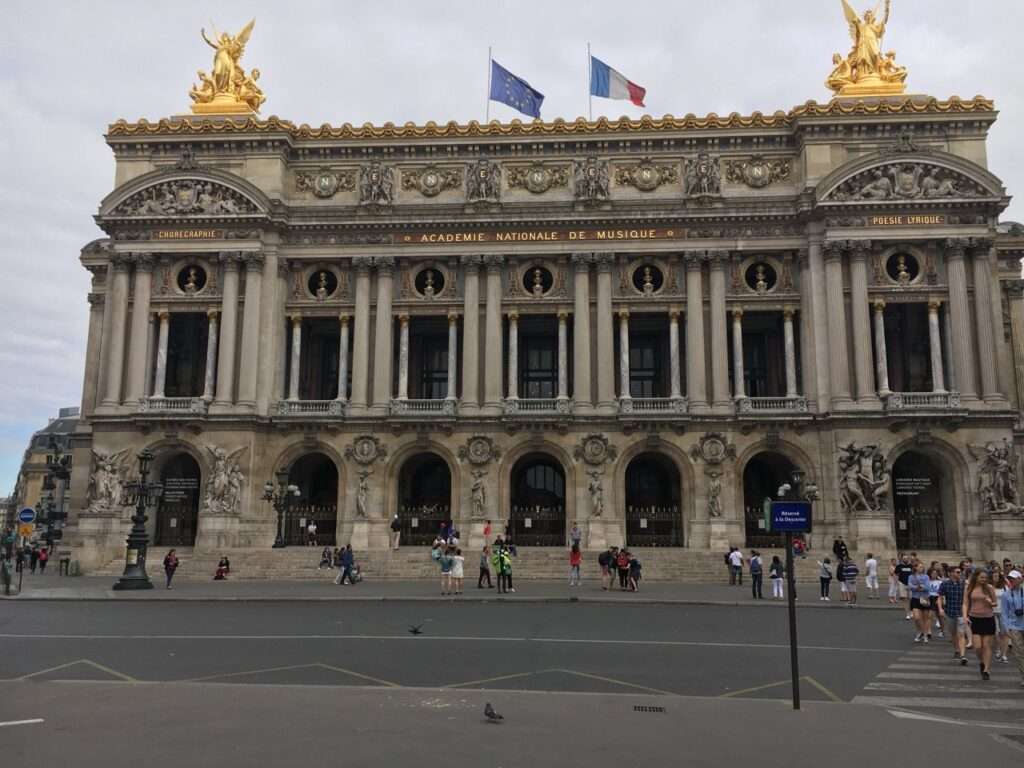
[(514, 91)]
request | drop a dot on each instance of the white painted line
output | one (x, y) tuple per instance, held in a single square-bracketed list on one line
[(942, 676), (22, 722), (983, 688), (920, 716), (943, 703)]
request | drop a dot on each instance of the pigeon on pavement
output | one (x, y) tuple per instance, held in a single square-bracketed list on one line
[(415, 629), (491, 715)]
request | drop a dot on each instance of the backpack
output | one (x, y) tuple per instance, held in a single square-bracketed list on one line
[(602, 559)]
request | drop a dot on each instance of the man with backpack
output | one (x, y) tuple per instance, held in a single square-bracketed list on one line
[(604, 560)]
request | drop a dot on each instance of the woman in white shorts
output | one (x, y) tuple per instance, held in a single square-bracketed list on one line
[(871, 576), (894, 583)]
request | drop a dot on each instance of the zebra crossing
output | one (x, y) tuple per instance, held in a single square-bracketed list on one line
[(927, 679)]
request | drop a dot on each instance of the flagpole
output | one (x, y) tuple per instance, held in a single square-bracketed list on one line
[(487, 110), (590, 86)]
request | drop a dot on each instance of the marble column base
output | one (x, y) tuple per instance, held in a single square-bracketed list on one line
[(874, 533), (1006, 530), (699, 408), (221, 407), (369, 535), (217, 532), (723, 407), (723, 534), (602, 534), (869, 403)]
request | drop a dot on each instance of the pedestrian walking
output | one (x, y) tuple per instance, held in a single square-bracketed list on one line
[(33, 559), (1012, 605), (345, 563), (825, 577), (635, 568), (841, 578), (951, 601), (736, 566), (775, 572), (756, 575), (496, 560), (170, 565), (894, 583), (920, 604), (622, 566), (850, 574), (904, 569), (575, 536), (44, 556), (445, 561), (604, 561), (1002, 640), (485, 568), (871, 576), (978, 609), (396, 532), (728, 566), (575, 558), (458, 570), (934, 585), (506, 568)]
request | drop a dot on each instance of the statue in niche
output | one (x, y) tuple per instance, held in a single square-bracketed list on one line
[(648, 282), (106, 483), (428, 287), (362, 493), (596, 490), (714, 494), (538, 283), (224, 486), (478, 494), (761, 282), (321, 287), (191, 282), (902, 275)]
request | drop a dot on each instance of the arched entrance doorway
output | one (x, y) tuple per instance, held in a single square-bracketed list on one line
[(538, 502), (762, 476), (317, 478), (424, 497), (177, 514), (923, 503), (653, 518)]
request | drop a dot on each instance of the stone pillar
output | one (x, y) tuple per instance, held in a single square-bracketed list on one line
[(212, 335), (605, 333), (816, 302), (960, 321), (271, 329), (361, 339), (403, 356), (493, 359), (383, 335), (864, 365), (1015, 293), (839, 366), (947, 350), (343, 358), (563, 355), (453, 355), (881, 355), (675, 384), (160, 377), (695, 381), (93, 349), (581, 392), (790, 347), (228, 330), (114, 357), (737, 355), (624, 393), (719, 334), (513, 355), (296, 358), (249, 368), (471, 334), (983, 321), (138, 354), (935, 338)]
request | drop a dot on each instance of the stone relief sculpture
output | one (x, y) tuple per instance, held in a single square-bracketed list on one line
[(362, 493), (647, 175), (906, 181), (224, 486), (483, 182), (714, 494), (326, 182), (376, 185), (432, 181), (997, 478), (701, 177), (538, 178), (478, 494), (757, 172), (590, 180), (185, 197), (864, 479), (107, 481), (596, 489), (365, 450)]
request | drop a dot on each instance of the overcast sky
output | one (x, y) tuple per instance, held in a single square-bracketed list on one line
[(69, 69)]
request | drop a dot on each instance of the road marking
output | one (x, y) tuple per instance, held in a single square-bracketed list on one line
[(805, 678), (935, 688), (388, 683), (491, 679), (903, 715), (947, 675), (616, 682), (22, 722), (940, 703), (821, 688), (321, 665), (93, 664)]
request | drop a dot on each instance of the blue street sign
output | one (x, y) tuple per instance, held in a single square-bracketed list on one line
[(791, 516), (27, 515)]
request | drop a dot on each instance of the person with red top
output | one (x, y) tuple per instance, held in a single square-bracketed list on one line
[(44, 556), (575, 558), (622, 565)]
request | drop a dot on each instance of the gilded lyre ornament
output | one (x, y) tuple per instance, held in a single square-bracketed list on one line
[(228, 89), (866, 70)]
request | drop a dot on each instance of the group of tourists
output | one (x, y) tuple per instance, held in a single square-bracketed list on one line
[(31, 556), (344, 560), (622, 565)]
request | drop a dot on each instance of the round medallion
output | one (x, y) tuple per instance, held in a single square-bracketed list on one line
[(430, 183), (647, 279), (595, 449), (902, 268), (479, 450), (325, 184), (538, 180), (537, 281), (760, 277), (192, 279), (646, 178), (322, 284), (757, 174), (429, 282)]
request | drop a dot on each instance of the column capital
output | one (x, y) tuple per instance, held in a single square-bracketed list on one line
[(385, 264), (494, 262), (212, 314), (980, 248), (253, 261), (934, 305), (403, 318), (362, 264), (144, 262), (471, 263), (623, 313), (296, 318), (563, 315), (582, 261), (164, 316), (879, 305), (674, 313), (513, 315), (1014, 288), (121, 262), (694, 260), (859, 249), (833, 249), (956, 247), (453, 317), (737, 313), (96, 299), (604, 261), (343, 319), (788, 313), (230, 259), (718, 258), (283, 266)]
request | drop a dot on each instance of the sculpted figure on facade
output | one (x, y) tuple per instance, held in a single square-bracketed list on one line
[(866, 69), (483, 182), (185, 197), (224, 485), (590, 179), (864, 479), (997, 478), (714, 494), (595, 488), (478, 494), (363, 493), (106, 483), (228, 88), (702, 178), (376, 185), (906, 181)]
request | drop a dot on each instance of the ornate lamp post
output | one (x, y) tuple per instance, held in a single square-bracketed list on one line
[(280, 499), (142, 494)]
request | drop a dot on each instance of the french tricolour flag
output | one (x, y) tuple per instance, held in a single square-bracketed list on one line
[(610, 84)]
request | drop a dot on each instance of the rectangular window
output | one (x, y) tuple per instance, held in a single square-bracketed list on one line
[(646, 365), (433, 383), (539, 371)]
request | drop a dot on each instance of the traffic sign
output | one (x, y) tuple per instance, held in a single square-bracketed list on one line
[(27, 515), (26, 529), (791, 516)]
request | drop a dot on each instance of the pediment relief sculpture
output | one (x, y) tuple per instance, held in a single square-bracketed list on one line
[(906, 181), (186, 197)]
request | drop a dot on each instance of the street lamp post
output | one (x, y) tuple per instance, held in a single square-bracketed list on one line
[(280, 499), (142, 494)]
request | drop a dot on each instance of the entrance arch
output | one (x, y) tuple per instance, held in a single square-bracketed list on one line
[(762, 476), (316, 475), (653, 517), (424, 497), (923, 502), (538, 501), (177, 514)]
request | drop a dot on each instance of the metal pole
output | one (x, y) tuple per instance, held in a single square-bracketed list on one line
[(487, 119), (794, 662), (590, 85)]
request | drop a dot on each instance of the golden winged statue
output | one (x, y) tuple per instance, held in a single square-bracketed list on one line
[(228, 89), (867, 70)]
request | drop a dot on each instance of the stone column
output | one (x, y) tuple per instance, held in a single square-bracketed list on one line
[(228, 329), (1015, 293), (93, 348), (249, 368), (816, 302), (296, 358), (271, 326), (839, 365), (935, 338), (494, 367), (675, 383), (138, 354), (719, 334), (118, 317), (513, 355), (212, 335), (343, 358), (403, 356), (790, 345), (881, 355), (471, 333), (861, 330), (983, 321), (737, 355), (960, 320), (361, 339), (563, 355), (453, 355), (695, 381), (605, 333), (160, 377), (383, 335), (151, 331), (581, 392), (947, 350), (624, 393)]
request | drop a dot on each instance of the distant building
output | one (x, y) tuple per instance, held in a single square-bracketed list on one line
[(57, 433)]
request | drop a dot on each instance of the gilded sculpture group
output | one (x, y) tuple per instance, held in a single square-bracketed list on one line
[(228, 87), (866, 70)]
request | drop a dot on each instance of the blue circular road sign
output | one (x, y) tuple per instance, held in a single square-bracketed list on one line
[(27, 515)]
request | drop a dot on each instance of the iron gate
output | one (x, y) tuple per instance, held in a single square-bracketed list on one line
[(538, 526), (653, 526)]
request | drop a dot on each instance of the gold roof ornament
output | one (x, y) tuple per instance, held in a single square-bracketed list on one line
[(227, 90), (866, 70)]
